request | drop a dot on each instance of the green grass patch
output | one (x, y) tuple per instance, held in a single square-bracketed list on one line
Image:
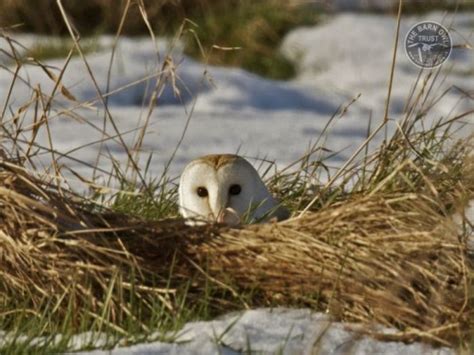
[(250, 33), (59, 47), (256, 27), (157, 202)]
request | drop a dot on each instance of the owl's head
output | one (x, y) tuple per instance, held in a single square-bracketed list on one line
[(224, 188)]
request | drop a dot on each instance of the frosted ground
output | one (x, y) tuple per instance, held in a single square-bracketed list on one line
[(347, 55)]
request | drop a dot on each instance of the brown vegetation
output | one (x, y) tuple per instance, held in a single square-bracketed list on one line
[(390, 258)]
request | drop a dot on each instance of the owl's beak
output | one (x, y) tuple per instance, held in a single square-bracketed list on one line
[(228, 216), (217, 204)]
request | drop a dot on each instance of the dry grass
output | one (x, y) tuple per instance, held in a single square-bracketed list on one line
[(390, 258)]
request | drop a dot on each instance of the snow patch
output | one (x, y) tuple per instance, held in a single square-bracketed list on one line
[(235, 111), (270, 331)]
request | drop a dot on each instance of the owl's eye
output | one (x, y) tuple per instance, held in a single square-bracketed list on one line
[(235, 189), (202, 191)]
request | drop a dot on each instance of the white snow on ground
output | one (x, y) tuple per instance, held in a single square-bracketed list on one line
[(266, 331), (76, 342), (349, 54), (352, 54), (261, 331)]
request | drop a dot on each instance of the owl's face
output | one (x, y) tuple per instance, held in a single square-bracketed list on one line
[(223, 188)]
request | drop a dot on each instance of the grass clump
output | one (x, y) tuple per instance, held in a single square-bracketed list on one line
[(59, 47), (153, 204), (392, 247), (247, 35)]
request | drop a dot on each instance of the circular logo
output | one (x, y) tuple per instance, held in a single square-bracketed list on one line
[(428, 44)]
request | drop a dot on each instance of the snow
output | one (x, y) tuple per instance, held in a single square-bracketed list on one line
[(262, 331), (270, 331), (231, 110), (76, 342), (352, 54), (347, 55)]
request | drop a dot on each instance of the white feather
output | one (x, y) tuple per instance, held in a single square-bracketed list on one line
[(221, 177)]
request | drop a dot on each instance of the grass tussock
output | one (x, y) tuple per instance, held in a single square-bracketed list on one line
[(394, 258), (58, 48), (247, 35)]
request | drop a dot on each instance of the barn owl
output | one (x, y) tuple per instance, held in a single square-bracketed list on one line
[(226, 189)]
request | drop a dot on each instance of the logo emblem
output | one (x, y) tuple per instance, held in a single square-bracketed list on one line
[(428, 44)]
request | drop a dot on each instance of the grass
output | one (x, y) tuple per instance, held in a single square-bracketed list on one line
[(371, 242), (138, 324), (468, 347), (58, 47), (158, 202), (214, 28), (248, 36), (421, 7)]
